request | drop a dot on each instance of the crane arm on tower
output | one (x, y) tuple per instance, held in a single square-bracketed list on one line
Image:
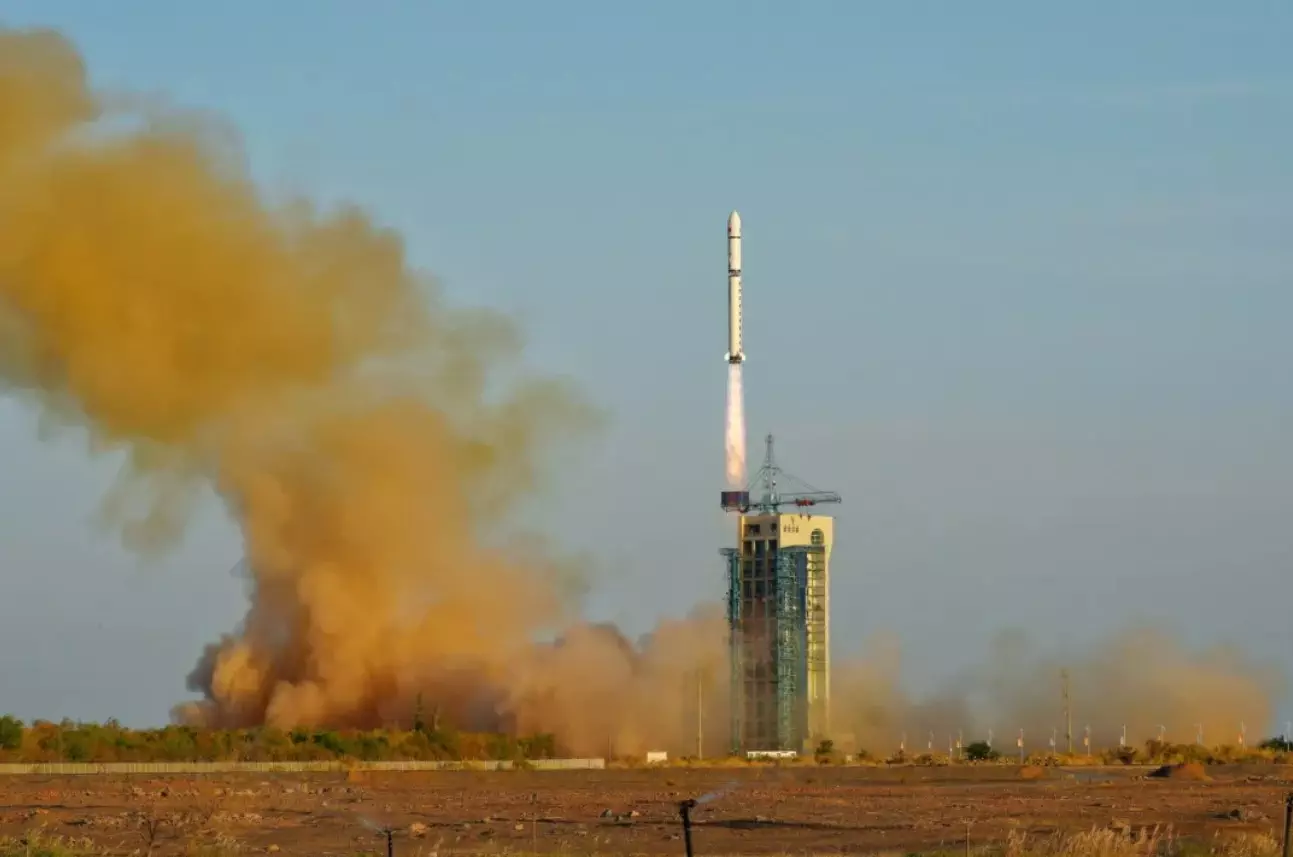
[(772, 497)]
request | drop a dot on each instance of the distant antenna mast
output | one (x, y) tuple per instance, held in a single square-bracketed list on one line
[(1068, 711)]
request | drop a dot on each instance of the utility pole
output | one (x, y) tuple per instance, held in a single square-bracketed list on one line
[(1068, 712), (700, 716)]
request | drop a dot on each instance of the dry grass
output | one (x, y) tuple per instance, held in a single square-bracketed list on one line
[(1096, 842), (37, 844), (1147, 842)]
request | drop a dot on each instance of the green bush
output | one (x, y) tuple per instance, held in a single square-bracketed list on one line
[(981, 751), (11, 732)]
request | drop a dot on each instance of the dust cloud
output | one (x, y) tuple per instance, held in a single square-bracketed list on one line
[(358, 429), (1139, 678)]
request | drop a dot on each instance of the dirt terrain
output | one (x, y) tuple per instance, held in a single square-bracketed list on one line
[(633, 811)]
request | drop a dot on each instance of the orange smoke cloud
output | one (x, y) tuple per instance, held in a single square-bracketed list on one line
[(293, 360)]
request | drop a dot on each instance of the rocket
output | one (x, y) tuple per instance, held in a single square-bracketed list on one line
[(735, 348)]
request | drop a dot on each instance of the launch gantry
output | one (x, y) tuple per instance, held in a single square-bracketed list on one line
[(778, 613)]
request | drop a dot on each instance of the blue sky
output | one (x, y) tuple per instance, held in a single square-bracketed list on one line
[(1017, 285)]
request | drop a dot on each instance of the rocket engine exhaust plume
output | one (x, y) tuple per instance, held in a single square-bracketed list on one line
[(734, 433), (291, 359)]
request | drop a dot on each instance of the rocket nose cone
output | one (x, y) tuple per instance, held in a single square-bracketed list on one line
[(734, 224)]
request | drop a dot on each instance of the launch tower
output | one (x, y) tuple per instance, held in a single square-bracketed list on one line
[(778, 613)]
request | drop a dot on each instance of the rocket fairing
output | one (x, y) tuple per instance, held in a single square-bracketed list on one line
[(735, 348)]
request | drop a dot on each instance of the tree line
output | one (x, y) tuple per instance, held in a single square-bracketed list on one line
[(69, 741), (1154, 752)]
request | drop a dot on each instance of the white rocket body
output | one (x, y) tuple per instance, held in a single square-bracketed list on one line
[(735, 347)]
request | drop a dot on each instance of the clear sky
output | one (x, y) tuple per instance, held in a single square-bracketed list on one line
[(1017, 285)]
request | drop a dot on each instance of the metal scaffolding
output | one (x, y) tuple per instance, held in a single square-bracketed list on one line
[(768, 646), (816, 642), (791, 647), (732, 557)]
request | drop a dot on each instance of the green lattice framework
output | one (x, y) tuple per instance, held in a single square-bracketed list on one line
[(790, 649), (735, 659), (791, 646)]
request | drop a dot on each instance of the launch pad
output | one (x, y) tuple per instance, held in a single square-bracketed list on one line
[(778, 614)]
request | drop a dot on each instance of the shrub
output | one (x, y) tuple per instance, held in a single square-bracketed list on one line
[(11, 733), (1125, 755), (981, 751)]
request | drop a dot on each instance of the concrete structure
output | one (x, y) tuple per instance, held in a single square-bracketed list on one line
[(778, 611)]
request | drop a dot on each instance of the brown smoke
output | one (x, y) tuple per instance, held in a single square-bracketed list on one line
[(354, 425), (1139, 678)]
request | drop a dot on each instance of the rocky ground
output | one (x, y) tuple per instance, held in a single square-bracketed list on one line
[(770, 810)]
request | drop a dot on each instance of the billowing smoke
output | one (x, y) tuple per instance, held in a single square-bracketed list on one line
[(354, 425), (734, 429), (1139, 679)]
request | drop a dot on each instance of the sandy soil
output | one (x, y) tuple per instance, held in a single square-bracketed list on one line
[(633, 812)]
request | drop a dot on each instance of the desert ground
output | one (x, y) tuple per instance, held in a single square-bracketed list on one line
[(768, 810)]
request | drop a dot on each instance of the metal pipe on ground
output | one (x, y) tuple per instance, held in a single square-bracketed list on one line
[(1288, 827), (684, 809)]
